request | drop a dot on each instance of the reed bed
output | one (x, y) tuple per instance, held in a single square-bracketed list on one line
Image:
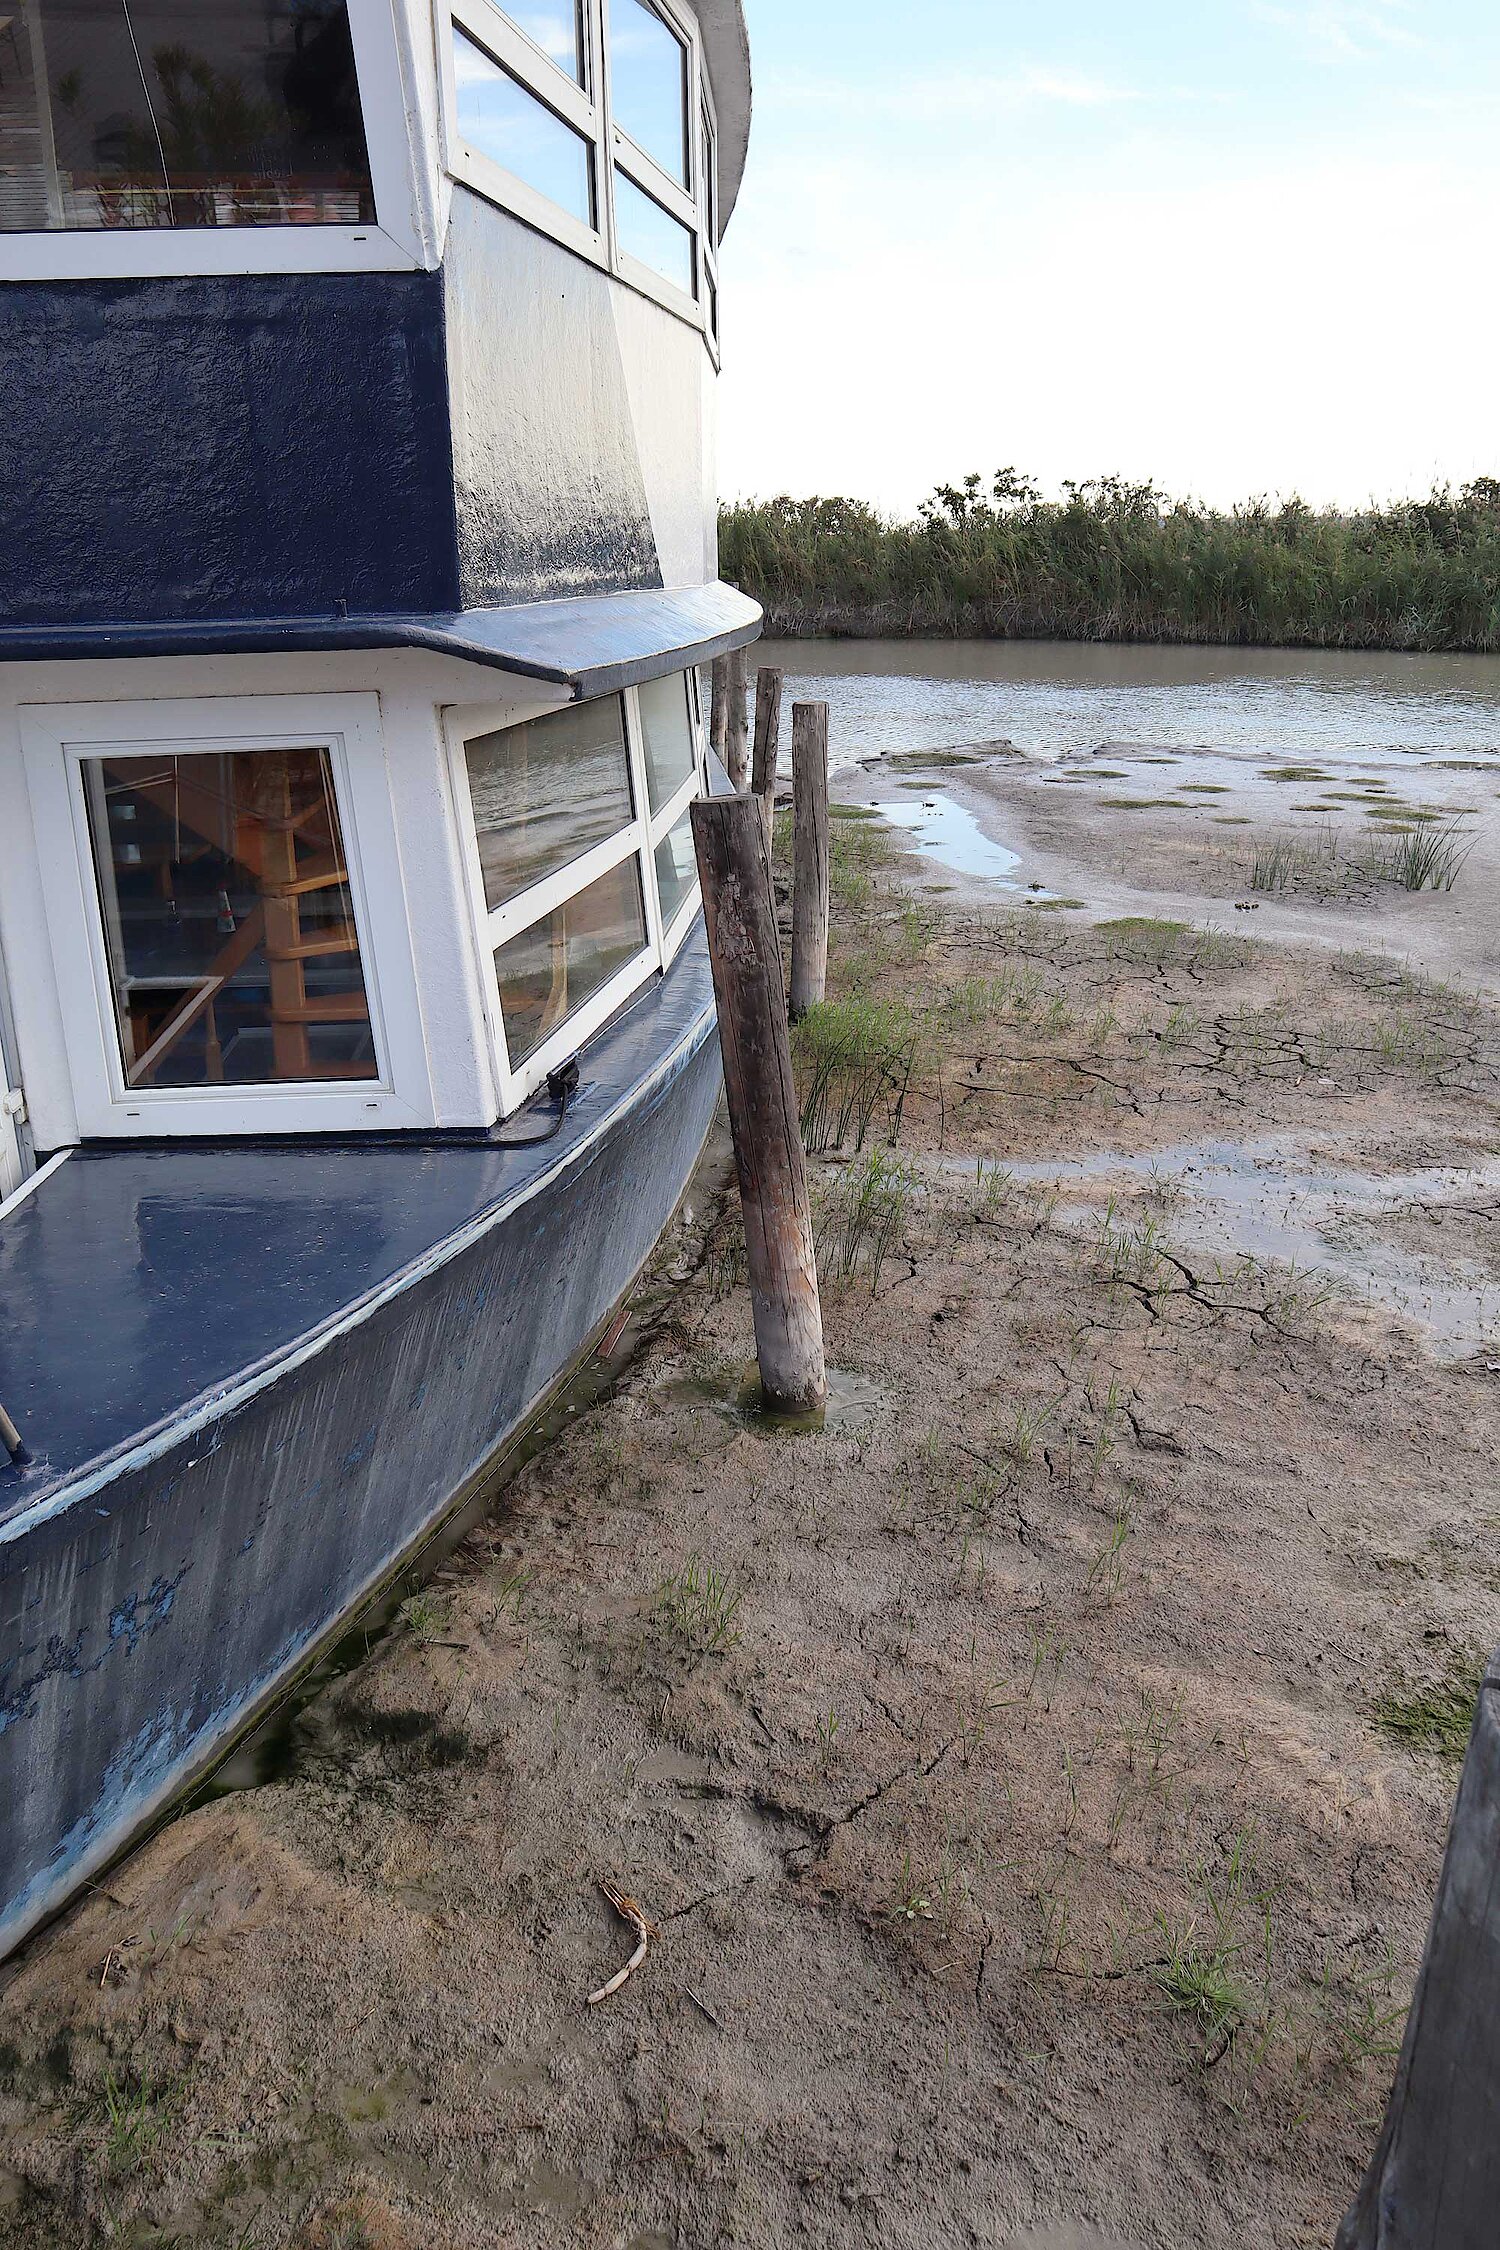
[(1114, 561)]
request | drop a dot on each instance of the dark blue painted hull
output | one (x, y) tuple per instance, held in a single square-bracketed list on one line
[(162, 1572)]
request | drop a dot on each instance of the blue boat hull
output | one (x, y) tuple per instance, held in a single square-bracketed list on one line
[(156, 1594)]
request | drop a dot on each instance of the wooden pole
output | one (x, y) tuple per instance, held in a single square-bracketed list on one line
[(734, 867), (737, 730), (809, 855), (718, 706), (1434, 2183), (768, 685)]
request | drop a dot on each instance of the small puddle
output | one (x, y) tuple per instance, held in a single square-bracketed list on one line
[(943, 830), (853, 1402), (1269, 1200)]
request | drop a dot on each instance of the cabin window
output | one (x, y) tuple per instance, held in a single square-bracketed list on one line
[(667, 731), (651, 234), (553, 969), (557, 31), (547, 792), (500, 119), (131, 114), (676, 869), (616, 162), (648, 68), (234, 957), (583, 866)]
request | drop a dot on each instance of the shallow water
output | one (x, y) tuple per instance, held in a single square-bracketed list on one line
[(945, 831), (1269, 1199), (1052, 699)]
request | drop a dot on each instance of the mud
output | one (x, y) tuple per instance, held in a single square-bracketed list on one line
[(1005, 1768)]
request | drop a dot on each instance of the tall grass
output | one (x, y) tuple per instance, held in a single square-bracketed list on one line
[(1117, 561)]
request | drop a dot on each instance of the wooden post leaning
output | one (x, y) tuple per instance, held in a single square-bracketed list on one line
[(769, 681), (1434, 2183), (734, 866), (737, 729), (809, 855), (718, 706)]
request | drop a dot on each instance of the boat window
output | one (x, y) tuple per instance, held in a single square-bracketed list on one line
[(233, 952), (557, 30), (648, 82), (616, 163), (143, 113), (515, 129), (667, 731), (547, 792), (651, 234), (582, 861), (676, 869), (549, 972)]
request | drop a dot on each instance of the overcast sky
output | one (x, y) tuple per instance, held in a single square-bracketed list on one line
[(1231, 245)]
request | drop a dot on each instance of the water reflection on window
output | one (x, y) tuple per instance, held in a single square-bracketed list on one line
[(648, 84), (651, 234), (667, 726), (147, 113), (546, 792), (676, 869), (233, 951), (551, 970), (499, 118)]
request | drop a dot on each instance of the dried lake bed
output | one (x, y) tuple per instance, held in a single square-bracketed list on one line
[(1036, 1780)]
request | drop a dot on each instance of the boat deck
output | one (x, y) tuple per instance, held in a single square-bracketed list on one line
[(137, 1282)]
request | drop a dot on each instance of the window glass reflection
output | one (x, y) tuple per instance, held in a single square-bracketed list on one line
[(228, 113), (499, 118), (546, 792), (648, 84), (556, 30), (676, 869), (667, 725), (550, 971), (651, 234), (233, 951)]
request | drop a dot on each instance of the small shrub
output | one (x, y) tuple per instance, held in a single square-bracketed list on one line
[(854, 1060), (861, 1217)]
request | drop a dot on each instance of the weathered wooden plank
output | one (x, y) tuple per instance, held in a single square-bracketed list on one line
[(1435, 2180), (809, 855), (718, 706), (737, 724), (769, 681), (734, 866)]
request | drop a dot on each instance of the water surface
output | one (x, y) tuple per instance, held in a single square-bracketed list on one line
[(1054, 699)]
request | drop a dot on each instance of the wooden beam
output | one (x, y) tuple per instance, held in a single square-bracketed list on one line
[(769, 682), (809, 855), (734, 866), (1434, 2183), (737, 723), (718, 706)]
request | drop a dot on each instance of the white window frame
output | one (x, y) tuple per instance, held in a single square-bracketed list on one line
[(587, 109), (57, 740), (493, 927), (392, 243)]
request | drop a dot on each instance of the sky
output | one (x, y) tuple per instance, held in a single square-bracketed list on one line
[(1237, 247)]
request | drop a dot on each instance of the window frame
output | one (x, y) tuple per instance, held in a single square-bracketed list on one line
[(392, 242), (494, 927), (692, 206), (58, 740)]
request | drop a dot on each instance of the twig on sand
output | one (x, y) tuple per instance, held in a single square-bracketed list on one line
[(629, 1912)]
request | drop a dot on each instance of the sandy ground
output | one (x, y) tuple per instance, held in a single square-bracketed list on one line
[(1035, 1779)]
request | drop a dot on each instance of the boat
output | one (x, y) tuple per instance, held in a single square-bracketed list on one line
[(357, 1039)]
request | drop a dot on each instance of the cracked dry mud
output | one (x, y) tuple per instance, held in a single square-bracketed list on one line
[(1000, 1767)]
